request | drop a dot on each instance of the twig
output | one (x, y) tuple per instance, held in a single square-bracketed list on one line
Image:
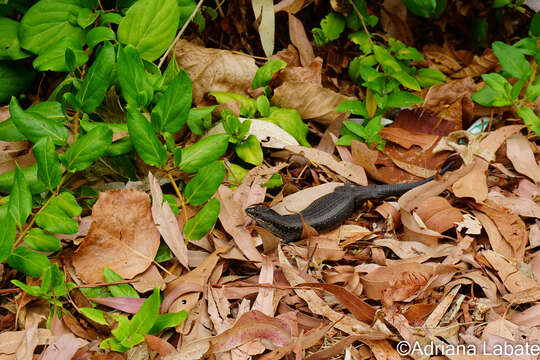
[(361, 20), (162, 60), (179, 194)]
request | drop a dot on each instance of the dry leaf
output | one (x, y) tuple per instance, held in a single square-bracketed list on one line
[(63, 348), (519, 151), (438, 214), (122, 237), (166, 222), (311, 101), (299, 38), (479, 66), (214, 69), (394, 21), (513, 279)]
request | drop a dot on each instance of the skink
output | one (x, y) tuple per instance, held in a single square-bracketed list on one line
[(328, 211)]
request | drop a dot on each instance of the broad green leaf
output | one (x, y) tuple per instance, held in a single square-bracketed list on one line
[(355, 107), (99, 34), (29, 289), (275, 181), (250, 150), (91, 125), (203, 152), (332, 26), (39, 240), (290, 121), (500, 3), (55, 220), (10, 47), (498, 83), (535, 25), (143, 320), (361, 39), (67, 202), (110, 18), (7, 236), (28, 262), (150, 26), (48, 22), (248, 108), (97, 79), (86, 17), (428, 77), (489, 97), (34, 126), (512, 60), (171, 111), (479, 32), (356, 129), (385, 59), (49, 169), (409, 53), (401, 99), (148, 146), (95, 315), (54, 58), (120, 290), (134, 82), (197, 118), (205, 183), (20, 198), (15, 78), (87, 149), (263, 105), (171, 71), (30, 174), (406, 80), (199, 225), (424, 8), (168, 320), (264, 74), (532, 92), (530, 119), (237, 173)]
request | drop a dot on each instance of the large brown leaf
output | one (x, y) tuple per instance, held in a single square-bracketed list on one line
[(123, 237)]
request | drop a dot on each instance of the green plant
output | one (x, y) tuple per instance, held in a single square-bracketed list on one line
[(426, 8), (525, 87)]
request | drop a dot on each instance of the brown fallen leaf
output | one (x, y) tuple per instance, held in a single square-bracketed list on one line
[(159, 345), (520, 153), (148, 280), (10, 340), (513, 279), (498, 244), (313, 102), (438, 214), (479, 66), (407, 138), (311, 73), (299, 39), (166, 222), (63, 348), (520, 206), (394, 21), (214, 69), (122, 236), (440, 58), (346, 169)]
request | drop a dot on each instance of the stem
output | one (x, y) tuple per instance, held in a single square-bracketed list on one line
[(76, 130), (31, 223), (361, 20), (179, 194), (162, 60)]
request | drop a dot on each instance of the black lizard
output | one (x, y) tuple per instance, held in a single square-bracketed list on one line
[(328, 211)]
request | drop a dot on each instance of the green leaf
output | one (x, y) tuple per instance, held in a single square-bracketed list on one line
[(39, 240), (87, 149), (500, 3), (150, 26), (290, 121), (15, 78), (428, 77), (119, 290), (135, 84), (99, 34), (424, 8), (199, 225), (498, 83), (203, 152), (532, 92), (28, 262), (97, 79), (55, 220), (10, 47), (67, 202), (48, 23), (263, 105), (168, 320), (489, 97), (535, 25), (7, 236), (54, 58), (30, 174), (95, 315), (401, 99), (355, 107), (29, 289), (86, 17), (530, 119), (20, 198), (205, 183), (333, 25), (512, 60), (406, 80), (409, 53), (248, 108), (385, 59), (34, 126), (148, 146), (264, 74), (197, 118), (171, 111), (361, 39), (356, 129), (49, 169), (250, 150), (143, 320)]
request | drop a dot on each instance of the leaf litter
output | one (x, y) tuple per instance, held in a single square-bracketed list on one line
[(453, 261)]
